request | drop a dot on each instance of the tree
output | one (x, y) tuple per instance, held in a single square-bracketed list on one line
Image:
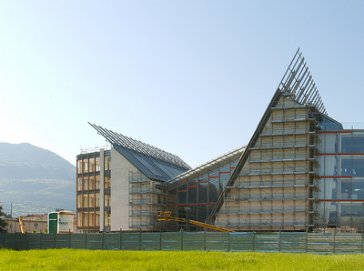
[(2, 220)]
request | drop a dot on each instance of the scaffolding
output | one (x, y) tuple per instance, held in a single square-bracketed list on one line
[(145, 200), (274, 189), (273, 186)]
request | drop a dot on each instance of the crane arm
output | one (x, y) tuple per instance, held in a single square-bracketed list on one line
[(21, 224), (167, 216)]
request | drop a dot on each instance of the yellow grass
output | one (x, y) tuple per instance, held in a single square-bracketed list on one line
[(71, 259)]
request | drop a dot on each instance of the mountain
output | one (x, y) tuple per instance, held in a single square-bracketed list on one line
[(35, 180)]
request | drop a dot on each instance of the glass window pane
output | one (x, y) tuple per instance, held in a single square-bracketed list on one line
[(352, 144)]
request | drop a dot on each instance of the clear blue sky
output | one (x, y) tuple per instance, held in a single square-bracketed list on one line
[(190, 77)]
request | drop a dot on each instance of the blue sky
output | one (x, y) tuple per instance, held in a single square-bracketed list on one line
[(190, 77)]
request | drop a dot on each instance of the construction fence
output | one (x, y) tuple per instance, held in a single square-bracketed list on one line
[(303, 242)]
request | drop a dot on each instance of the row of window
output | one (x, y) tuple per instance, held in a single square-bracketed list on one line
[(92, 182), (90, 165), (341, 214), (92, 219), (341, 143), (92, 200)]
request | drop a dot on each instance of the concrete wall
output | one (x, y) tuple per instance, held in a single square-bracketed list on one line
[(31, 225), (120, 168)]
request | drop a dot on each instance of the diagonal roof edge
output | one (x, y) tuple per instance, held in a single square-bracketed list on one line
[(138, 146), (206, 166), (294, 82)]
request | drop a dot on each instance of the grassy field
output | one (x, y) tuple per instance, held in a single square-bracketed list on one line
[(70, 259)]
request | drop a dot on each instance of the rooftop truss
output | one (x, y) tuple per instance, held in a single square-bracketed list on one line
[(135, 145), (298, 81)]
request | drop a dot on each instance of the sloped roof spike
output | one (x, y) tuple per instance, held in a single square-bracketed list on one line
[(298, 81), (138, 146), (303, 90)]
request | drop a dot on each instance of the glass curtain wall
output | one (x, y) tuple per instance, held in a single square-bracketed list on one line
[(341, 179), (197, 196)]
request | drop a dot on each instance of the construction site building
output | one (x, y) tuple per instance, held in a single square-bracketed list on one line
[(300, 171), (121, 192)]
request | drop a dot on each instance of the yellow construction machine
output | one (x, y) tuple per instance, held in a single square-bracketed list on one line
[(21, 224), (167, 216)]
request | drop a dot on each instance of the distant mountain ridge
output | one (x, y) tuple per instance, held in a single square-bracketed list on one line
[(19, 161), (36, 180)]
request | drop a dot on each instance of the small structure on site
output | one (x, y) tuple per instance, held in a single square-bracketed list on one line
[(60, 221)]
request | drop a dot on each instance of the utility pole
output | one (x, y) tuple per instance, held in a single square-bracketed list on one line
[(11, 209)]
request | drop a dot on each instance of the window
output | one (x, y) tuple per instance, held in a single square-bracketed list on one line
[(97, 200), (85, 219), (352, 209), (85, 201), (79, 184), (92, 164), (107, 182), (107, 218), (92, 183), (97, 165), (352, 190), (107, 200), (92, 200), (79, 166), (85, 183), (107, 163), (97, 182), (85, 165), (79, 219), (79, 201), (352, 144), (192, 192), (182, 194), (352, 167)]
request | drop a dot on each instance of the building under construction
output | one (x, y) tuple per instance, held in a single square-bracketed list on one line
[(300, 171)]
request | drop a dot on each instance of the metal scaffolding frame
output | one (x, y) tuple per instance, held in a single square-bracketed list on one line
[(298, 86)]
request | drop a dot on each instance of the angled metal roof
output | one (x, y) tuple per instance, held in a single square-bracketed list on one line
[(298, 81), (235, 154), (154, 163)]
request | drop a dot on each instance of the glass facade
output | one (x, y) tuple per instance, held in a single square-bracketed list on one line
[(196, 196), (341, 179)]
